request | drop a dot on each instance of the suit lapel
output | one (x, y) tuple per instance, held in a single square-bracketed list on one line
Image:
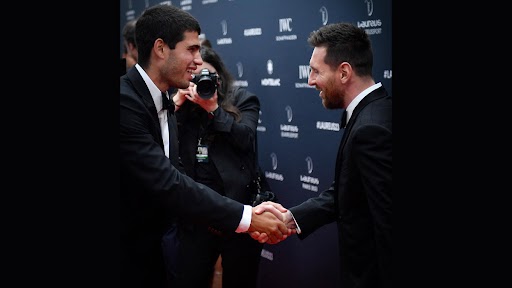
[(142, 90), (374, 95), (173, 139)]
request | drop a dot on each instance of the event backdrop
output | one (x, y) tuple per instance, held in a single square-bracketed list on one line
[(264, 44)]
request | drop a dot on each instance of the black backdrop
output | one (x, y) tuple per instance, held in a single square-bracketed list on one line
[(264, 44)]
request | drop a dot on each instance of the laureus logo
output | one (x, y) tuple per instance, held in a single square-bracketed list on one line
[(309, 162), (369, 6), (289, 113), (270, 67), (273, 157), (325, 15), (240, 69), (224, 25)]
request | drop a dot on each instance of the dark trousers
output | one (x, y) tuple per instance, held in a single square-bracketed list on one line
[(199, 249)]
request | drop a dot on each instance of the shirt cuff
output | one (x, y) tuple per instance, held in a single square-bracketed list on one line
[(296, 224), (246, 220)]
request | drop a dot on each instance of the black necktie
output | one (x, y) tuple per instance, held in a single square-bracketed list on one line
[(167, 104), (343, 121)]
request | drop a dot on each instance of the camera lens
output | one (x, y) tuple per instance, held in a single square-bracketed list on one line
[(206, 87), (206, 83)]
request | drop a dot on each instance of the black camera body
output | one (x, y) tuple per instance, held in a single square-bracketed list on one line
[(206, 83)]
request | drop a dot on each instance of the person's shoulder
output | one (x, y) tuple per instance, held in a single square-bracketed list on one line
[(241, 92)]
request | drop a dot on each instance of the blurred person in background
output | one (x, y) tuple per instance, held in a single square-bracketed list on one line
[(217, 147), (130, 53)]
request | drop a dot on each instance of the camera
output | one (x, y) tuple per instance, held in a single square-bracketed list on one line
[(206, 83)]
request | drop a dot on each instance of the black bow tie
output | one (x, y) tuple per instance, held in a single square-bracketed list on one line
[(167, 104)]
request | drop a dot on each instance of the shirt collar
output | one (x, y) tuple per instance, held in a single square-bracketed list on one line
[(353, 104), (155, 92)]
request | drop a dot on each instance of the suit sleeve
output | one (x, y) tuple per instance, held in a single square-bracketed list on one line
[(315, 212), (242, 133), (165, 187)]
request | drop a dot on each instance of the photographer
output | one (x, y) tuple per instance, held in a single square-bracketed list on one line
[(217, 130)]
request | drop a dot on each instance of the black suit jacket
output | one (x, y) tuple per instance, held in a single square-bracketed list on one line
[(153, 191), (359, 199)]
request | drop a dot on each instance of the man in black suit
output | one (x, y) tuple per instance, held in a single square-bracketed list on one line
[(153, 191), (359, 199)]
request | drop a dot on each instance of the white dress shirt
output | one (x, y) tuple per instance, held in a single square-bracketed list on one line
[(156, 94)]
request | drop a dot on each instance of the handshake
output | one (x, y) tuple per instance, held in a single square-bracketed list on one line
[(272, 223)]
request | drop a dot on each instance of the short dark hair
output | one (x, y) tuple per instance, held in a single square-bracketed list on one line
[(162, 21), (129, 32), (345, 42)]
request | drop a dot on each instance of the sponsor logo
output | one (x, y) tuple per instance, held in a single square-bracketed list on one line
[(224, 25), (287, 130), (308, 182), (285, 25), (130, 15), (186, 5), (240, 73), (369, 7), (252, 32), (371, 26), (331, 126), (274, 175), (227, 40), (289, 113), (309, 161), (270, 81), (325, 15), (273, 157), (260, 127), (304, 71), (240, 69)]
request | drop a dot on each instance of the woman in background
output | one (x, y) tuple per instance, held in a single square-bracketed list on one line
[(217, 147)]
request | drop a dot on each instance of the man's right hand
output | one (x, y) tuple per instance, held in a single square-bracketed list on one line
[(270, 225), (278, 210)]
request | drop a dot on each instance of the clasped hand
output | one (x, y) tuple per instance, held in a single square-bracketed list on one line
[(272, 223)]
